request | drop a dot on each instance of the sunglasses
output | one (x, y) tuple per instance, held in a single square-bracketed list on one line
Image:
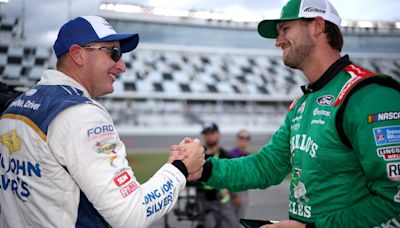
[(116, 52), (247, 138)]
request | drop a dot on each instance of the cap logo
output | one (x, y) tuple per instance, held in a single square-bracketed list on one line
[(105, 23), (313, 10), (100, 26)]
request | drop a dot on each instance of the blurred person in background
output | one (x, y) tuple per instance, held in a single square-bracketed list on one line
[(62, 163), (340, 140), (7, 95), (242, 144), (216, 203), (240, 200)]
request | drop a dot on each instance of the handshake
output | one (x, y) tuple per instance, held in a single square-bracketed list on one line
[(191, 153)]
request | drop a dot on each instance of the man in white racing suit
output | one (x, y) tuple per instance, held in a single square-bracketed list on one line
[(62, 163)]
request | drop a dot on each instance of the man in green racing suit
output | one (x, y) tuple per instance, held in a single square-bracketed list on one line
[(340, 140)]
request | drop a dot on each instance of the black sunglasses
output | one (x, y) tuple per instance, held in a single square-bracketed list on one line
[(116, 52), (247, 138)]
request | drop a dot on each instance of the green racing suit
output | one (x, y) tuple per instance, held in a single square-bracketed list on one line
[(341, 143)]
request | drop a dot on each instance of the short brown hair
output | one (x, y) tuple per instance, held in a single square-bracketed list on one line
[(335, 37), (60, 61), (333, 33)]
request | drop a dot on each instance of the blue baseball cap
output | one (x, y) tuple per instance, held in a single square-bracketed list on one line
[(87, 29)]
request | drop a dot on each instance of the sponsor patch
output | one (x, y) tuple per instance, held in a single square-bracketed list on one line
[(393, 171), (389, 153), (159, 198), (321, 122), (106, 148), (314, 10), (302, 107), (109, 149), (318, 112), (387, 135), (100, 132), (131, 187), (325, 100), (297, 118), (30, 92), (122, 179), (304, 143), (16, 174), (11, 141), (28, 104), (295, 127), (383, 116), (397, 196), (392, 223)]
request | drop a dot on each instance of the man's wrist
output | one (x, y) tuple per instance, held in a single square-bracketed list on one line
[(181, 166), (207, 171), (310, 225)]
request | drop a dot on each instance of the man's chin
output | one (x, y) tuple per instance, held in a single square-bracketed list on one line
[(290, 64), (212, 144), (109, 91)]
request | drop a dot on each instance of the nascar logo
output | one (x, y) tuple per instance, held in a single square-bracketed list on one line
[(384, 116)]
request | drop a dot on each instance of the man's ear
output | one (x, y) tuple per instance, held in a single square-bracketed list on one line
[(77, 55), (318, 26)]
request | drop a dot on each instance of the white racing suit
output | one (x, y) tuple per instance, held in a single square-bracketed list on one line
[(62, 164)]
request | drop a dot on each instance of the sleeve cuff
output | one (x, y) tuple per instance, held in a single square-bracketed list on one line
[(310, 225), (207, 171), (181, 166)]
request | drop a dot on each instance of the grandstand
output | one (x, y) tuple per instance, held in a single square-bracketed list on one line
[(188, 69)]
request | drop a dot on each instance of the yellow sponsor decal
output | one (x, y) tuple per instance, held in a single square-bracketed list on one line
[(11, 141)]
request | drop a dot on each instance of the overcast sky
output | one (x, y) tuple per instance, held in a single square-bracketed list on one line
[(44, 17)]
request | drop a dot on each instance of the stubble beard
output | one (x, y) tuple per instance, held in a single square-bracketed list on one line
[(296, 57), (211, 144)]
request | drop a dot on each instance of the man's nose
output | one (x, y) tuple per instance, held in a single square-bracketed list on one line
[(121, 65), (279, 40)]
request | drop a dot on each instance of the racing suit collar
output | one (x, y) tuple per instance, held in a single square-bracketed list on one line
[(329, 74), (55, 77)]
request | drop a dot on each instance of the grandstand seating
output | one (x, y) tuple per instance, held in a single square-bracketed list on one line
[(21, 64), (178, 86), (180, 71), (9, 27), (176, 72)]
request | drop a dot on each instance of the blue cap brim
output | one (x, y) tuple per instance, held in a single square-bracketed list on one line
[(128, 42)]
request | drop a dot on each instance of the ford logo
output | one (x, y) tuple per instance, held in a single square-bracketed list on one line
[(326, 100)]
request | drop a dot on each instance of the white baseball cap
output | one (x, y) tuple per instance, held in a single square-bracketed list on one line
[(298, 9)]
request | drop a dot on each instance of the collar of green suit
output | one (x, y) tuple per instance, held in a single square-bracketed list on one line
[(329, 74)]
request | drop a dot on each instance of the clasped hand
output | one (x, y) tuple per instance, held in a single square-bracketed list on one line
[(191, 153)]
